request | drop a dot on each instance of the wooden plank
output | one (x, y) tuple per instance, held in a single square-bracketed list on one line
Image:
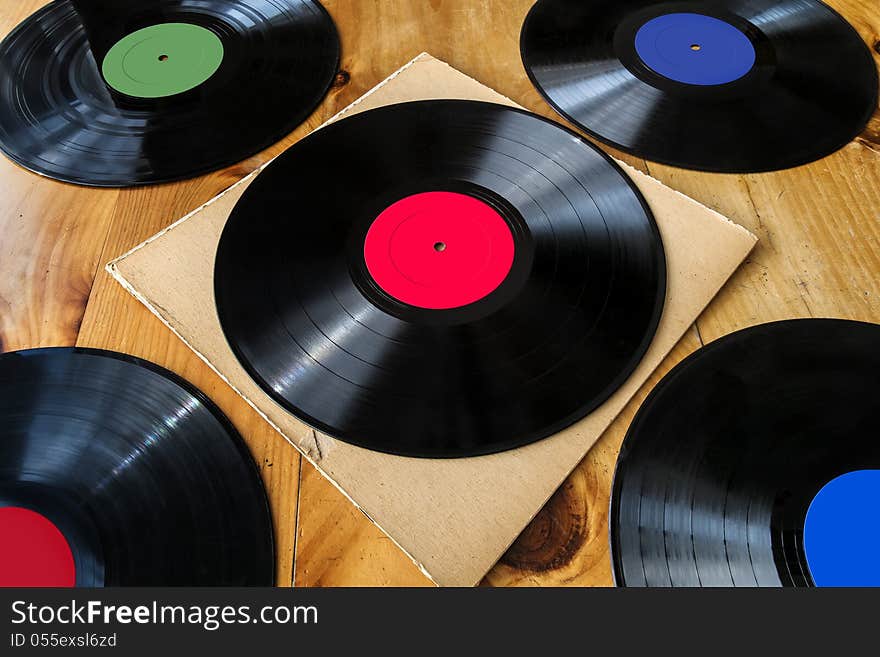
[(51, 235), (818, 225), (114, 320), (339, 546)]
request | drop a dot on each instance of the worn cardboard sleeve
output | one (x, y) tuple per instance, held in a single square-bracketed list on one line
[(454, 518)]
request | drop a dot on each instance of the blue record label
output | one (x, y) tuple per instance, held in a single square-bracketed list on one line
[(695, 49)]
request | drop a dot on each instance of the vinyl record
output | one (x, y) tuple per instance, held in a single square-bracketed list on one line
[(118, 94), (726, 86), (115, 472), (755, 462), (440, 278)]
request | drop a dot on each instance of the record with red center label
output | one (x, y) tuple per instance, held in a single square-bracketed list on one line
[(115, 93), (440, 278), (721, 85), (115, 472), (755, 462)]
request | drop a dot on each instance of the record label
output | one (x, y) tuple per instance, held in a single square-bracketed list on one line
[(842, 531), (695, 49), (439, 250), (33, 551), (163, 60)]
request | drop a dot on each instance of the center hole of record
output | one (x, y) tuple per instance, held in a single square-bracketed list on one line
[(163, 58), (696, 47), (401, 240)]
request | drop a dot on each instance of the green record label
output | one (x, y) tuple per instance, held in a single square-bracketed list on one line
[(162, 60)]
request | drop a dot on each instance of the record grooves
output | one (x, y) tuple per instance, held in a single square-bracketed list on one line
[(440, 278), (116, 472), (755, 463), (728, 86), (120, 94)]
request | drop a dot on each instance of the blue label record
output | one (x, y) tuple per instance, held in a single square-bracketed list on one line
[(722, 86), (755, 463)]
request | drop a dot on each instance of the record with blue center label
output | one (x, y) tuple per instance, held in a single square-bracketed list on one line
[(756, 462), (724, 85)]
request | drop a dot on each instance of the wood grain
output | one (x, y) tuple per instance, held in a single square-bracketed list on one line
[(353, 552), (819, 256)]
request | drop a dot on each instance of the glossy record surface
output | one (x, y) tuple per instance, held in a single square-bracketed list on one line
[(721, 463), (59, 118), (146, 479), (812, 89), (565, 328)]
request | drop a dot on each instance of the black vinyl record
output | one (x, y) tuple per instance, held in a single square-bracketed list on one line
[(726, 473), (199, 85), (721, 85), (440, 278), (115, 472)]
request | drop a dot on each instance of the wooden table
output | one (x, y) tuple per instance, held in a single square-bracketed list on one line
[(819, 256)]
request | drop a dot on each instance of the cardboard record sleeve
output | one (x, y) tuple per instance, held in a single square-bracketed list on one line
[(453, 517)]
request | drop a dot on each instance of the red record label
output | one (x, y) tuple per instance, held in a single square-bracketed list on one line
[(439, 250), (33, 551)]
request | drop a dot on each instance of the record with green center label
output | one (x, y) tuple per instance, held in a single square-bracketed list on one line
[(119, 94)]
